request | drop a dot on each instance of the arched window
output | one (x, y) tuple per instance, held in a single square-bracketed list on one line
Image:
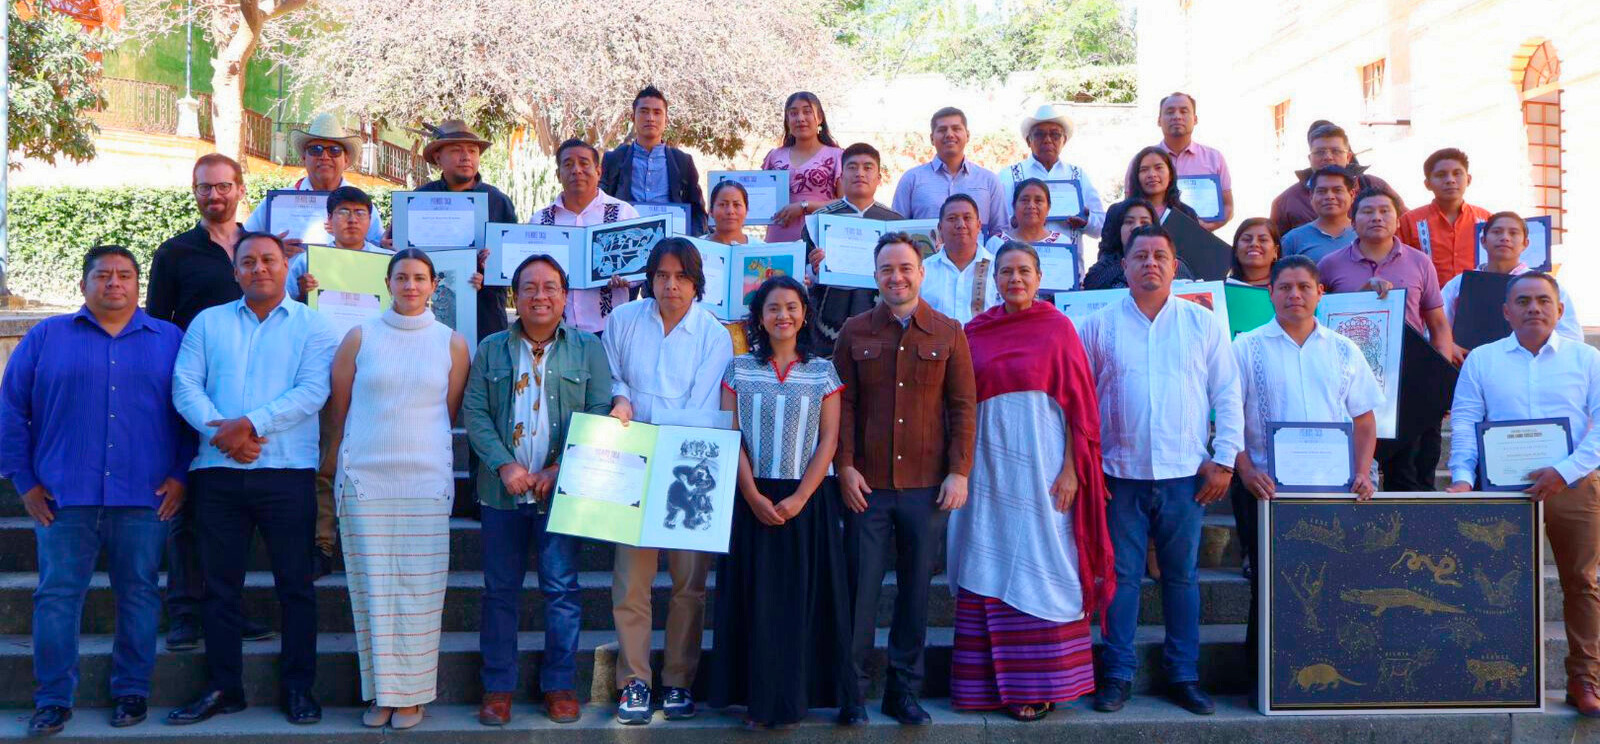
[(1537, 75)]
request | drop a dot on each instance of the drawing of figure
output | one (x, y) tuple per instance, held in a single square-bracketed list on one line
[(690, 494), (1368, 335), (444, 299)]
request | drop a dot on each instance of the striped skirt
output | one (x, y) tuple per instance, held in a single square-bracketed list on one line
[(1004, 657), (397, 561)]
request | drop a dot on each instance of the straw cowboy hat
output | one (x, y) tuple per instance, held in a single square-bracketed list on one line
[(1048, 112), (450, 132), (324, 127)]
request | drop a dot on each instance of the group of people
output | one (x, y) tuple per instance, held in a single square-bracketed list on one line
[(878, 425)]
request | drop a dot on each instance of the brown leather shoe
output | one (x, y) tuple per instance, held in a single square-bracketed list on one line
[(1584, 696), (496, 709), (562, 706)]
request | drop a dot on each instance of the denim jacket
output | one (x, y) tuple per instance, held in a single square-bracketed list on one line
[(577, 379)]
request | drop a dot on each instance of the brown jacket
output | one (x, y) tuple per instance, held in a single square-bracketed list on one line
[(908, 413)]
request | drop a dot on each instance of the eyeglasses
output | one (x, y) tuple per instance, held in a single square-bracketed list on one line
[(221, 189), (316, 151), (1330, 152), (344, 213), (1048, 136)]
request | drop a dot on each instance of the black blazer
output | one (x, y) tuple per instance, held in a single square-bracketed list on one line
[(683, 182)]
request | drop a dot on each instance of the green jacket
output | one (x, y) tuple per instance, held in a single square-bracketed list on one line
[(577, 379)]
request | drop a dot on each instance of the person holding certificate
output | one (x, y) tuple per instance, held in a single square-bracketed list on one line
[(958, 283), (397, 384), (1536, 376), (730, 205), (1127, 215), (581, 203), (1256, 247), (648, 170), (906, 425), (456, 151), (327, 149), (667, 353), (526, 383), (811, 156), (861, 175), (1161, 365), (350, 213), (1048, 130), (1030, 557), (1177, 118), (782, 641), (1505, 237), (1030, 212), (1294, 369)]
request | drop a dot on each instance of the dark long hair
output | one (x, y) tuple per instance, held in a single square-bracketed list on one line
[(1173, 198), (760, 346), (1272, 232), (823, 134), (687, 254)]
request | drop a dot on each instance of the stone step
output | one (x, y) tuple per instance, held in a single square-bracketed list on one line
[(1224, 598), (179, 677), (1235, 721)]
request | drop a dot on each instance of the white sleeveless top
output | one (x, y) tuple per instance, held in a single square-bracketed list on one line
[(397, 433)]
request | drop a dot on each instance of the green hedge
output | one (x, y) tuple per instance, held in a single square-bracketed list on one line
[(51, 227)]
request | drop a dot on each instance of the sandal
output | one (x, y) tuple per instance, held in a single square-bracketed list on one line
[(1028, 712)]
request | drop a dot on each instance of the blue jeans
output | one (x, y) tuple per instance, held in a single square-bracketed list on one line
[(507, 535), (134, 539), (1166, 511)]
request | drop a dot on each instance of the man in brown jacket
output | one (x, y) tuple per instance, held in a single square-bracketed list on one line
[(906, 427)]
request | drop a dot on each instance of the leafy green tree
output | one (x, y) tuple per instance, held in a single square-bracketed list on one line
[(54, 69)]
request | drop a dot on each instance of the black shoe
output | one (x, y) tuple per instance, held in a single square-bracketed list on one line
[(49, 720), (853, 715), (300, 708), (255, 630), (130, 710), (1112, 695), (1247, 568), (677, 704), (184, 636), (905, 709), (205, 707), (321, 564), (1190, 697)]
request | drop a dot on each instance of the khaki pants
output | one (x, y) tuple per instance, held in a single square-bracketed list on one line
[(327, 517), (1572, 521), (630, 608)]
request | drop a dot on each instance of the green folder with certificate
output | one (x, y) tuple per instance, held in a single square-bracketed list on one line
[(649, 486), (351, 286)]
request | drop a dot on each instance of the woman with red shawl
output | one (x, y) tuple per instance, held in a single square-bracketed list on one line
[(1029, 556)]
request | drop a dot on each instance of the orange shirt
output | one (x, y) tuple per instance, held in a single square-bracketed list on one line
[(1453, 247)]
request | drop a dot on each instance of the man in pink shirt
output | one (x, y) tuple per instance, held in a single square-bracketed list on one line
[(1190, 158), (581, 204)]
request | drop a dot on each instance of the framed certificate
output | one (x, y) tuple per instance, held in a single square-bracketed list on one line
[(1059, 266), (1212, 296), (1537, 255), (510, 244), (439, 220), (618, 249), (677, 214), (1311, 457), (1378, 328), (768, 191), (1508, 451), (1066, 198), (847, 244), (301, 214), (734, 272), (1079, 305), (1203, 194)]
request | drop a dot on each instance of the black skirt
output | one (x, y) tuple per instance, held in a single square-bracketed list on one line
[(782, 612)]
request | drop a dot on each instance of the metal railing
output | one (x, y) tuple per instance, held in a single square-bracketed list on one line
[(152, 108)]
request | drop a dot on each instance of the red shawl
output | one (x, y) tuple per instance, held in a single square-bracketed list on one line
[(1057, 366)]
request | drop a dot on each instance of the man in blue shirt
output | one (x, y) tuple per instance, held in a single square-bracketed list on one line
[(89, 436), (650, 170), (250, 378)]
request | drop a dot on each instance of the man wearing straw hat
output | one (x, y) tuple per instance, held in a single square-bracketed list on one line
[(456, 150), (1047, 131), (326, 149)]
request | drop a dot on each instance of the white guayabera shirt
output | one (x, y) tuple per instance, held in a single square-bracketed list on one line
[(1327, 380)]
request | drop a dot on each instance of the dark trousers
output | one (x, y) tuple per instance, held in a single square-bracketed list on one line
[(186, 583), (1247, 521), (1409, 465), (230, 505), (914, 522)]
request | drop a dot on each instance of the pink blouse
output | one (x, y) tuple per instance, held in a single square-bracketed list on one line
[(816, 181)]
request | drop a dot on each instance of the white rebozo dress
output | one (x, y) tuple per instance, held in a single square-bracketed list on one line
[(395, 488)]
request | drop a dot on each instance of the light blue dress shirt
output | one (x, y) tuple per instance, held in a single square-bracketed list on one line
[(649, 173), (276, 372)]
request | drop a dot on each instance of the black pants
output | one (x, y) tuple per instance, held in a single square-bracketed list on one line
[(1409, 465), (1247, 521), (186, 583), (230, 505), (913, 520)]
